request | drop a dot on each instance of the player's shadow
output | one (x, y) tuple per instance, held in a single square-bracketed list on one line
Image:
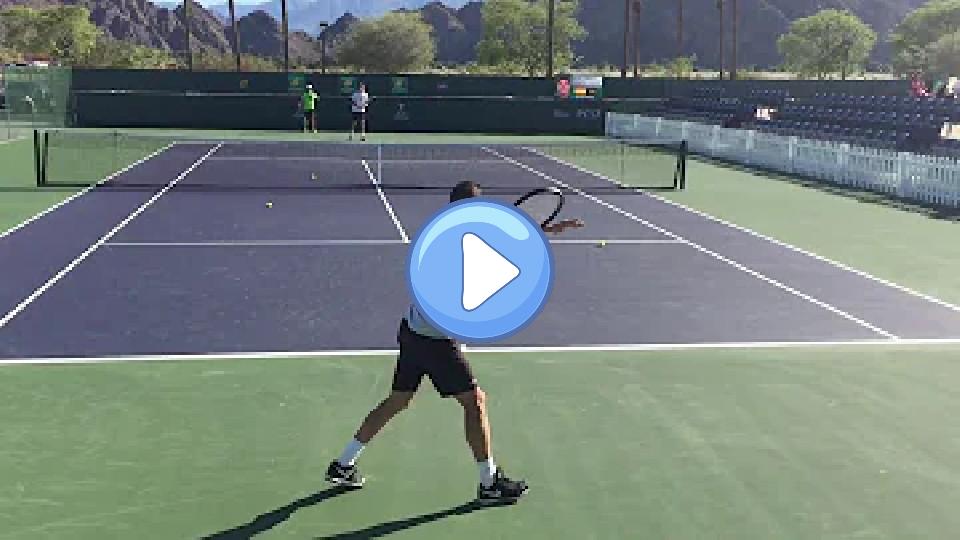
[(389, 527), (271, 519)]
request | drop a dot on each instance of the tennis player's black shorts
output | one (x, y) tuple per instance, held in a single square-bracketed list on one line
[(440, 359), (359, 117)]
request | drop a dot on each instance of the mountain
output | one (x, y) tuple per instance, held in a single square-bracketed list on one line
[(144, 23), (306, 15), (457, 26), (260, 34), (761, 23)]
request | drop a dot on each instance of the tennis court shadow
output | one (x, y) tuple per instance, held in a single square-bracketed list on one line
[(271, 519), (389, 527)]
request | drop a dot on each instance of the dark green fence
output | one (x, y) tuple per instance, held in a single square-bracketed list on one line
[(441, 103), (388, 113)]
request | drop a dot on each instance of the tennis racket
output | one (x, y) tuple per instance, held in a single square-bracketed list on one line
[(542, 205)]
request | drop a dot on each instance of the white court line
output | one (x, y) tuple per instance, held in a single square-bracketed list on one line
[(103, 240), (348, 160), (261, 243), (15, 139), (363, 242), (386, 203), (629, 347), (833, 309), (85, 190), (647, 241), (751, 232)]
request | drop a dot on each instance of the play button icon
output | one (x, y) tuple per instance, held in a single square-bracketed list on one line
[(480, 270), (485, 272)]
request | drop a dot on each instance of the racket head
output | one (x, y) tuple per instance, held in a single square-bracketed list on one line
[(543, 205)]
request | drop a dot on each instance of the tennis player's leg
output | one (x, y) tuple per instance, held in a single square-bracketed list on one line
[(452, 376), (363, 126), (406, 379)]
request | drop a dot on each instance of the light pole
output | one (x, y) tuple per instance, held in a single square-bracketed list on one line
[(627, 4), (323, 46)]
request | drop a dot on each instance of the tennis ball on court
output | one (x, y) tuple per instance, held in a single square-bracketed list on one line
[(313, 176), (603, 243), (269, 204)]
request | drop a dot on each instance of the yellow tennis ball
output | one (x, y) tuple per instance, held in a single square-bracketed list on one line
[(269, 204), (313, 176), (603, 243)]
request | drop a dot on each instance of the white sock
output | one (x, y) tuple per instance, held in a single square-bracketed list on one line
[(488, 471), (351, 453)]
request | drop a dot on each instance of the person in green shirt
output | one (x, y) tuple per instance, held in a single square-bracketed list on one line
[(309, 104)]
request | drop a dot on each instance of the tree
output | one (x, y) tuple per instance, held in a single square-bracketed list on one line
[(64, 33), (113, 53), (943, 56), (394, 43), (831, 41), (515, 35), (919, 30)]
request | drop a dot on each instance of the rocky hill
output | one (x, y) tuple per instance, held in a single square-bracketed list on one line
[(458, 29)]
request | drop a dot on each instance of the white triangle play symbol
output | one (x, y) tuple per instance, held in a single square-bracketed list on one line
[(485, 271)]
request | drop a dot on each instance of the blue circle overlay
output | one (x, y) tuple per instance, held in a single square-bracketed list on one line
[(435, 270)]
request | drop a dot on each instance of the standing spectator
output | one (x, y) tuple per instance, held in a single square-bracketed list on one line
[(358, 105), (308, 103), (917, 87)]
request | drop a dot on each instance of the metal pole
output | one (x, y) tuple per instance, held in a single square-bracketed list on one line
[(720, 8), (679, 28), (236, 32), (733, 54), (186, 26), (637, 5), (285, 31), (551, 8), (626, 38), (323, 47)]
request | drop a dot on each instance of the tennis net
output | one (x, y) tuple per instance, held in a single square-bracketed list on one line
[(135, 161)]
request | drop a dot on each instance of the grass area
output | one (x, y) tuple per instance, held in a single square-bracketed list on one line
[(19, 198), (779, 443), (83, 158), (909, 248)]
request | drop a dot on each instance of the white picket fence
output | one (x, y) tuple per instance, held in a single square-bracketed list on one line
[(929, 179)]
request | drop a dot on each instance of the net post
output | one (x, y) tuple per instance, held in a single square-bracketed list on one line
[(45, 157), (623, 165), (682, 180), (37, 167)]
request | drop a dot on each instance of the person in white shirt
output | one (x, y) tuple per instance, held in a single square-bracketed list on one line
[(359, 103)]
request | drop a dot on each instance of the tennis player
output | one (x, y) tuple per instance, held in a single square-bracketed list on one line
[(424, 350), (308, 102), (358, 105)]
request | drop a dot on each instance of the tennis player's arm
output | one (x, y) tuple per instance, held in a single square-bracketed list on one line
[(561, 226)]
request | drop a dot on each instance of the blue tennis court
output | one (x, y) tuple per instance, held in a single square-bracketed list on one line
[(208, 247)]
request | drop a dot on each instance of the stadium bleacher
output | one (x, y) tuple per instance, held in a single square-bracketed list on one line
[(891, 122)]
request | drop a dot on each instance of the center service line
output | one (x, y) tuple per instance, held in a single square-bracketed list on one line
[(386, 203)]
